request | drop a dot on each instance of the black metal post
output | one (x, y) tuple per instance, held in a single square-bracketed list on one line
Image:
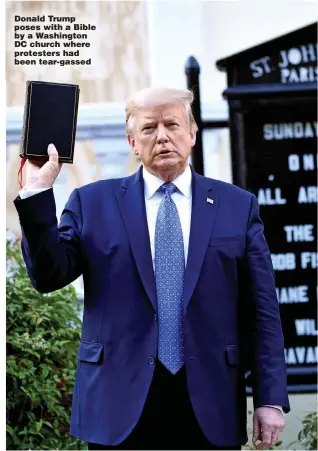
[(192, 71)]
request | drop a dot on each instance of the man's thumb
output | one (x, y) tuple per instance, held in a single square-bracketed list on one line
[(53, 154)]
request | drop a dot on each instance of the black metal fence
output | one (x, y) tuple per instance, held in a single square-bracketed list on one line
[(192, 72)]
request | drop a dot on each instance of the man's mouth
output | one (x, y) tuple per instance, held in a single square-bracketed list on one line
[(164, 151)]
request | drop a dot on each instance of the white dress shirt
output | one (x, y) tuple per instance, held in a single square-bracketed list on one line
[(182, 198), (24, 193)]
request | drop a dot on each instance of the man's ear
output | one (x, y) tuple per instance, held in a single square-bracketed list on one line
[(193, 136), (131, 141)]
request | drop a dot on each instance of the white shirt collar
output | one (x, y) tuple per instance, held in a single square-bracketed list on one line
[(153, 183)]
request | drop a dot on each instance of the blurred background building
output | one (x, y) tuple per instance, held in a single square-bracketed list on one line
[(138, 44)]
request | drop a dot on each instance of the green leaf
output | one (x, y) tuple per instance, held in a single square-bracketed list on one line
[(10, 430), (45, 371), (48, 424), (39, 425)]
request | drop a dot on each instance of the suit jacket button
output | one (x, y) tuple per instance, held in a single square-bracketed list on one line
[(155, 317), (151, 361)]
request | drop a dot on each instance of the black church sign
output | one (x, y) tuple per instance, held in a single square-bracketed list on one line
[(292, 65), (291, 58), (272, 98)]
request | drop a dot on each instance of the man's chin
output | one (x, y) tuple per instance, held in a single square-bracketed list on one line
[(168, 161)]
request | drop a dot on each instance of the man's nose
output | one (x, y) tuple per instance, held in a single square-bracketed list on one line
[(161, 134)]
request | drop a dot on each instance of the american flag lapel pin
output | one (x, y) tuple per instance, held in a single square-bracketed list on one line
[(209, 201)]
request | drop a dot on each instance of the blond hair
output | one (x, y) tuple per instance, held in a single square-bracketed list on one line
[(158, 96)]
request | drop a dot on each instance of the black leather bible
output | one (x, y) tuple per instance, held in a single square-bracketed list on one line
[(50, 116)]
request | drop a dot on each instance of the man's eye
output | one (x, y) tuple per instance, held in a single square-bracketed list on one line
[(149, 127), (172, 124)]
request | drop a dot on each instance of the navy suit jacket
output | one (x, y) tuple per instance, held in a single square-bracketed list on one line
[(231, 313)]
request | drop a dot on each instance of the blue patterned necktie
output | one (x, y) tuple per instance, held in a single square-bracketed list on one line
[(169, 268)]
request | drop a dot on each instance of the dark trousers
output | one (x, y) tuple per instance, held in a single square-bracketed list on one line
[(167, 421)]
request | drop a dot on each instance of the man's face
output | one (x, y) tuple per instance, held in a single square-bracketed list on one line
[(162, 138)]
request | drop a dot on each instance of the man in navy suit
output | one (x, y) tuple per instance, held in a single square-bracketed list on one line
[(179, 293)]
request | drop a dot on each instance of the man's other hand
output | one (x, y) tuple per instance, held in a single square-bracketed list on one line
[(267, 424)]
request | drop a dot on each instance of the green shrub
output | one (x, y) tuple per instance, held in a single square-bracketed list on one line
[(43, 332), (307, 436)]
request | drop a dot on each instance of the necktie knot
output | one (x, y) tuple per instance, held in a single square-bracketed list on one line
[(168, 188)]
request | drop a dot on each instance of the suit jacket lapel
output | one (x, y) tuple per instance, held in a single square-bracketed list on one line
[(132, 206), (202, 221)]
